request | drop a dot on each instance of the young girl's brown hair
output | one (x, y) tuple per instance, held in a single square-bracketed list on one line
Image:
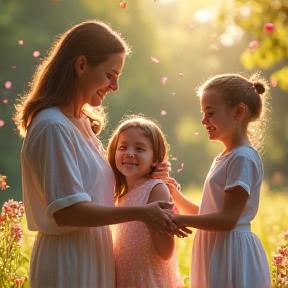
[(53, 80), (158, 140)]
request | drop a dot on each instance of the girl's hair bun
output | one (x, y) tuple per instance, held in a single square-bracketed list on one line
[(259, 87)]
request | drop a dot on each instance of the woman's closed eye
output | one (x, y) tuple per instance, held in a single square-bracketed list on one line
[(109, 76)]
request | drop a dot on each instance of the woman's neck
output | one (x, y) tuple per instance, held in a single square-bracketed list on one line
[(71, 110)]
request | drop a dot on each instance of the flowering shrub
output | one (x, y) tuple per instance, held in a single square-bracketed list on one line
[(12, 274), (3, 184), (280, 263)]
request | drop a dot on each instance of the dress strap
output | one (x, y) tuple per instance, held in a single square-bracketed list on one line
[(148, 187)]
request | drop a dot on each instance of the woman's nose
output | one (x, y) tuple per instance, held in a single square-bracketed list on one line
[(114, 85)]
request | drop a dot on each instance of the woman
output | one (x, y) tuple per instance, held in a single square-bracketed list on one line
[(67, 183)]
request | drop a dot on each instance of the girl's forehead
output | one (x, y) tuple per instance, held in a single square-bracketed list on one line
[(133, 131), (210, 98)]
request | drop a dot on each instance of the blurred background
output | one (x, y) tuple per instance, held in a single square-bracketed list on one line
[(176, 45)]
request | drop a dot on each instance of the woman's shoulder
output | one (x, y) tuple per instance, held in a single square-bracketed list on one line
[(52, 115)]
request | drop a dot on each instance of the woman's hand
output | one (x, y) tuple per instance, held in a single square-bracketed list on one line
[(156, 218)]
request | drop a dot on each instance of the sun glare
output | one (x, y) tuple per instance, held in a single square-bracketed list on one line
[(202, 15)]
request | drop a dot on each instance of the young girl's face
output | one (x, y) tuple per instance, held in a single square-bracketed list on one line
[(134, 153), (218, 118)]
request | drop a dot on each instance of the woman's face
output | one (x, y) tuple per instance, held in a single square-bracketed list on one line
[(93, 82)]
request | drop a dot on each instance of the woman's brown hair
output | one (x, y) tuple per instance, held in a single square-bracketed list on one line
[(53, 80), (158, 140)]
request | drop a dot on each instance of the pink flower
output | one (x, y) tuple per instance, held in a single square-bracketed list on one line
[(278, 259)]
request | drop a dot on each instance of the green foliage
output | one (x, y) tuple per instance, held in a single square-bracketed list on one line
[(171, 33), (272, 51)]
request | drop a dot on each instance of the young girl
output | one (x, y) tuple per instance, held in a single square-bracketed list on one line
[(225, 251), (144, 258)]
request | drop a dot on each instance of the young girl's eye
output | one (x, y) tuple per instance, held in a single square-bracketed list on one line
[(140, 149), (121, 148)]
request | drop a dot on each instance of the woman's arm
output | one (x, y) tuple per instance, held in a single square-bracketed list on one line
[(86, 214), (233, 205), (164, 244)]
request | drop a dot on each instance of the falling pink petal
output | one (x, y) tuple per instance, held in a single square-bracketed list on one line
[(164, 80), (122, 5), (36, 54), (155, 60), (5, 101), (274, 83), (269, 27), (163, 112), (1, 123), (196, 133), (181, 167), (253, 45), (21, 42), (181, 75), (174, 158), (8, 84), (14, 67)]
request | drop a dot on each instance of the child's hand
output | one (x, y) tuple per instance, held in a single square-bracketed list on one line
[(180, 231), (161, 170)]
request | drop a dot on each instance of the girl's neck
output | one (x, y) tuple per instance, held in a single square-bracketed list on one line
[(134, 183), (235, 144)]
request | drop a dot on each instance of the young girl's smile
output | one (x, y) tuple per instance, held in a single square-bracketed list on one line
[(134, 154), (218, 119)]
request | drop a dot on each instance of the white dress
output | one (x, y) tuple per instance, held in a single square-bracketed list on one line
[(60, 167), (234, 259)]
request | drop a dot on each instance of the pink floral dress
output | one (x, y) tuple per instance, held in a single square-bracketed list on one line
[(137, 263)]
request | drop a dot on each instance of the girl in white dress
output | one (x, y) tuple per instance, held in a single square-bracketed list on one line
[(226, 254), (68, 185)]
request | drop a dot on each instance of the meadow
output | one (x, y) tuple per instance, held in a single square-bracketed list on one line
[(270, 222)]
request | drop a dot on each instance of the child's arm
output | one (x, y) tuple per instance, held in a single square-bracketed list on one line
[(184, 205), (233, 205), (164, 244)]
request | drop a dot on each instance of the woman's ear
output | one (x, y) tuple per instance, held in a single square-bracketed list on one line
[(241, 110), (80, 63)]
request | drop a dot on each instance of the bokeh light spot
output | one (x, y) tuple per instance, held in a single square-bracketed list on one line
[(8, 84), (36, 54)]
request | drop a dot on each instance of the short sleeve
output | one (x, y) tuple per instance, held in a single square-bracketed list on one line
[(53, 160), (241, 171)]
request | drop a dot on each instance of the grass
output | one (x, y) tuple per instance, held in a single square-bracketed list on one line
[(270, 222)]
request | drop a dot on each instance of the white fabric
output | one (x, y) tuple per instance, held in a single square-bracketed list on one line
[(61, 167), (234, 259)]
